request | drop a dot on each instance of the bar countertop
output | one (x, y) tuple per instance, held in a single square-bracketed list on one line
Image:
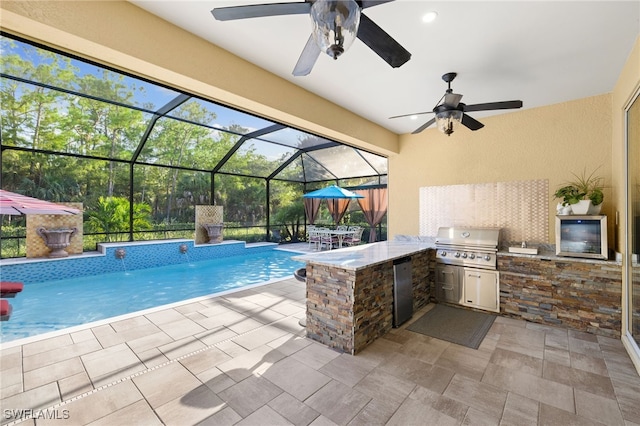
[(362, 256)]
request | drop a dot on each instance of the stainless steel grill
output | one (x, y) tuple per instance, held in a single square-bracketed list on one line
[(466, 267), (470, 247)]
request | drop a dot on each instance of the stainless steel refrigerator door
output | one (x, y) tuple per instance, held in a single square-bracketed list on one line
[(402, 291)]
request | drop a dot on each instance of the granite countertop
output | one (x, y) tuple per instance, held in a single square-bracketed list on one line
[(545, 253), (362, 256)]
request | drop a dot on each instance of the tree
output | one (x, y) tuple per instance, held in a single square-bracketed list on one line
[(291, 217)]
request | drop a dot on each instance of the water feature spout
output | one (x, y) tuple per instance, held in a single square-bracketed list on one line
[(120, 253), (183, 248)]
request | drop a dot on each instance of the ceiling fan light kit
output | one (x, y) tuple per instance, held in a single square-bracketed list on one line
[(448, 121), (451, 112), (335, 25)]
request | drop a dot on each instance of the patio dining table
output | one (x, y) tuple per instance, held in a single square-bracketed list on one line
[(336, 233)]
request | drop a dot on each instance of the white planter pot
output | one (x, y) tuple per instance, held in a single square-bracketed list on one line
[(581, 207), (595, 209)]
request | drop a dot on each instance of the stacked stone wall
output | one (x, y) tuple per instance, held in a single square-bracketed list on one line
[(581, 295), (347, 310), (330, 306)]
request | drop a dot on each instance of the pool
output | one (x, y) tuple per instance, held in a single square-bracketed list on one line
[(54, 305)]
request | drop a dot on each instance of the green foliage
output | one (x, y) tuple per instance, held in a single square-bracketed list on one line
[(291, 217), (111, 216), (569, 194), (582, 187)]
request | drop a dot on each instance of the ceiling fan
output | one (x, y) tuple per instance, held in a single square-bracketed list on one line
[(450, 112), (336, 24)]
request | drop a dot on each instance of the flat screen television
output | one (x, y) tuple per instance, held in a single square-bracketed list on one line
[(582, 236)]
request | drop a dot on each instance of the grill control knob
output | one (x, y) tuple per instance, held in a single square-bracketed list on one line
[(464, 255), (443, 253), (457, 254), (472, 256), (487, 257)]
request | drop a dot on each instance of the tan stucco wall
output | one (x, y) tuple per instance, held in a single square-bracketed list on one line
[(541, 143), (121, 35), (626, 87)]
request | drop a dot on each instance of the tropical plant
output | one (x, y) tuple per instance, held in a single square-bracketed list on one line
[(582, 187), (111, 216), (292, 218)]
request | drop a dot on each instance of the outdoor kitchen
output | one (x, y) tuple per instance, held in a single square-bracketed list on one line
[(355, 296)]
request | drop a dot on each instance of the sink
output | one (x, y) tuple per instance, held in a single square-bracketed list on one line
[(524, 250)]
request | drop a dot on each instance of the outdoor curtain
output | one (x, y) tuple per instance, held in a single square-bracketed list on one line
[(338, 207), (311, 208), (374, 207)]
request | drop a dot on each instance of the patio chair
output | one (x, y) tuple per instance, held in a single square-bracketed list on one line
[(314, 238), (355, 238), (342, 228), (327, 239)]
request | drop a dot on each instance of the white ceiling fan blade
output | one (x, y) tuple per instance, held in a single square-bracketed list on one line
[(307, 58), (452, 99)]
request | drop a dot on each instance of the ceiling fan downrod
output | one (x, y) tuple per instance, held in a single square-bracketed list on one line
[(448, 78)]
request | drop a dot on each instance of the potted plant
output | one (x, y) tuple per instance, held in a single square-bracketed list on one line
[(584, 193)]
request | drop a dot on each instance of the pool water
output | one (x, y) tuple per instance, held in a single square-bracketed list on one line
[(54, 305)]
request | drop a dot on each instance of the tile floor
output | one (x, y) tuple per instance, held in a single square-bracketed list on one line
[(243, 359)]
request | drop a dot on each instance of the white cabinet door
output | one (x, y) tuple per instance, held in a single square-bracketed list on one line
[(481, 289)]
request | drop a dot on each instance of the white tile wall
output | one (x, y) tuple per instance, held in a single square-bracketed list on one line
[(520, 208)]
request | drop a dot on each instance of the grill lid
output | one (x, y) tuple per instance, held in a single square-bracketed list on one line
[(468, 237)]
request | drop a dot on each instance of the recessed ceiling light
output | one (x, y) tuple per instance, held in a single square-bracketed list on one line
[(430, 16), (414, 117)]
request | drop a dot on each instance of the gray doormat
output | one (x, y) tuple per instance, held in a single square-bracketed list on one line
[(460, 326)]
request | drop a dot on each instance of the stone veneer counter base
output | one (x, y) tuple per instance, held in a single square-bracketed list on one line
[(581, 294), (350, 291)]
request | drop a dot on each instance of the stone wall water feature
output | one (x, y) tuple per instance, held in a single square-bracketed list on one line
[(208, 215), (36, 246)]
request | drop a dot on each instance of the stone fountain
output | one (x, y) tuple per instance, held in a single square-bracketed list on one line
[(214, 231), (57, 239)]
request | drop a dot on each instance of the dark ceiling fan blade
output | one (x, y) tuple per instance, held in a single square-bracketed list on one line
[(424, 126), (471, 122), (493, 105), (307, 58), (260, 10), (409, 115), (382, 43), (452, 99), (370, 3)]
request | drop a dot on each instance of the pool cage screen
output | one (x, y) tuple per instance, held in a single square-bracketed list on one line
[(140, 156)]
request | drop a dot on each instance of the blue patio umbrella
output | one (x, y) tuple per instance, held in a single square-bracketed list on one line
[(332, 191), (337, 202)]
